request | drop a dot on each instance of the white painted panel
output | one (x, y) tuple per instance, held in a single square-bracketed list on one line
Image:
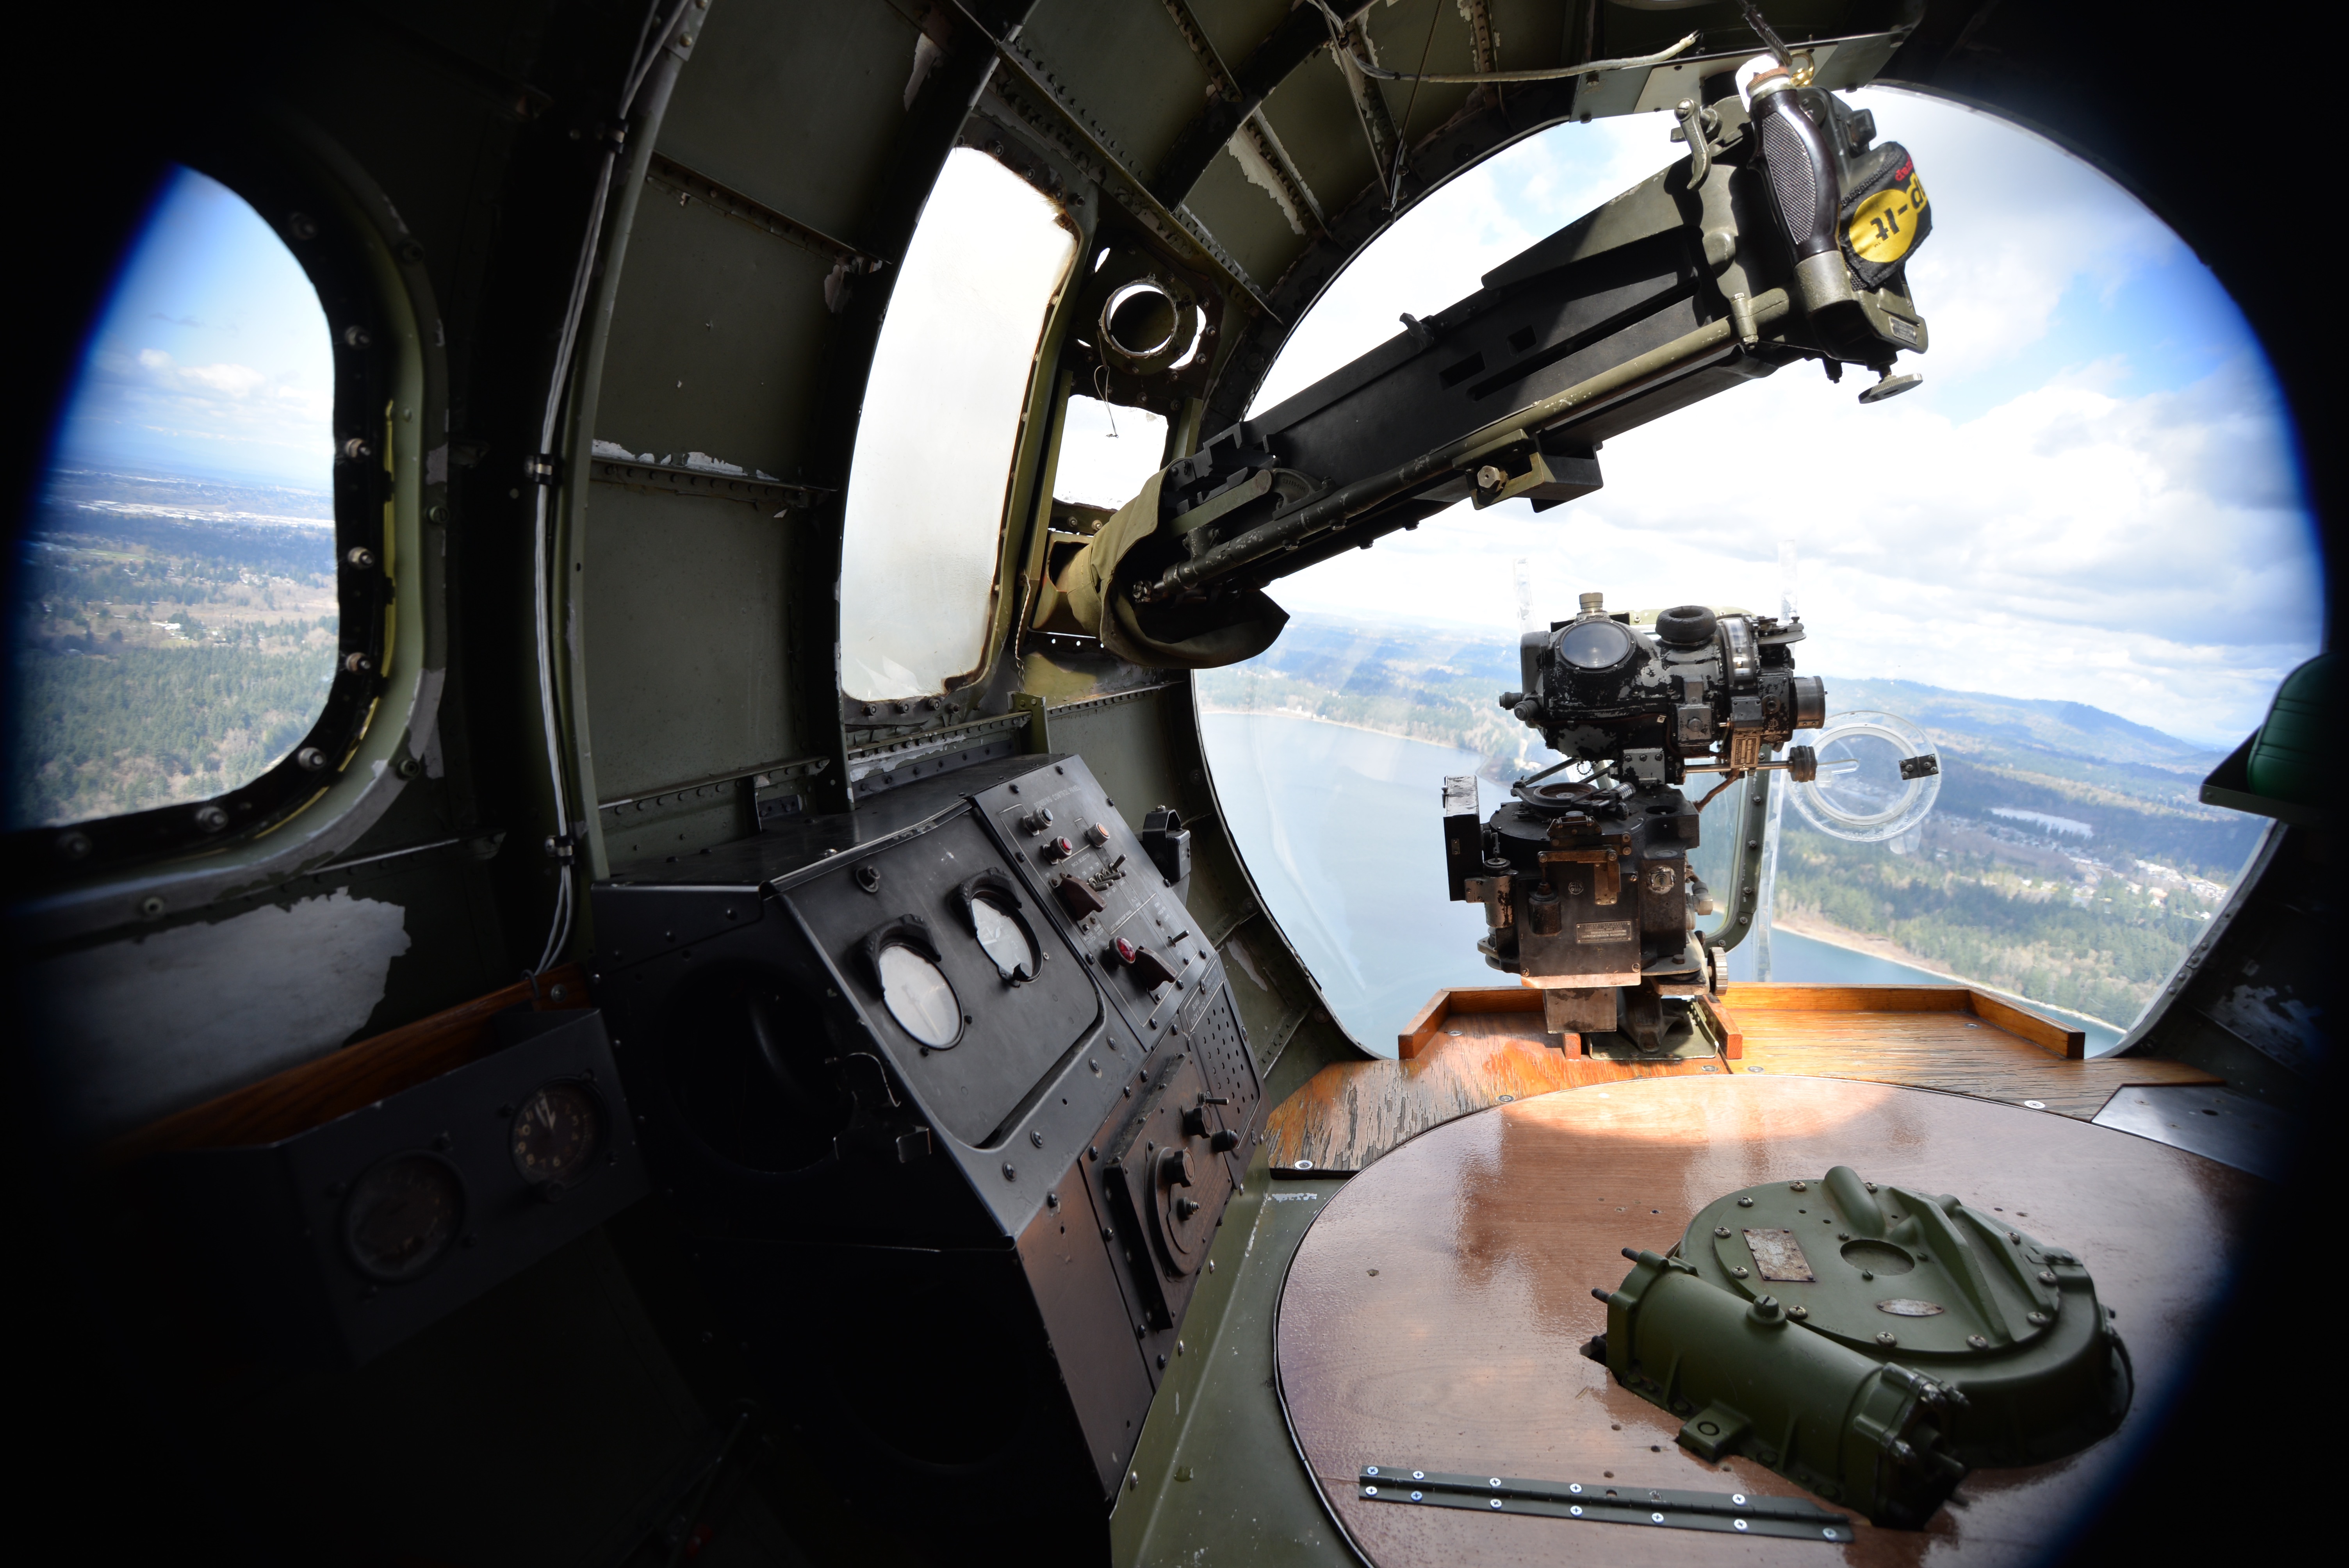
[(135, 1030)]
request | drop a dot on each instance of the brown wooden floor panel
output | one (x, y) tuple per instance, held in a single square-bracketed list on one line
[(1434, 1313), (1350, 1113), (1479, 1049)]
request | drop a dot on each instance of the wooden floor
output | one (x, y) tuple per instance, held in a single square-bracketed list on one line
[(1434, 1315), (1473, 1048)]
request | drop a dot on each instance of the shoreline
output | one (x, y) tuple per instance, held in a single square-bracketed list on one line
[(1891, 953), (1831, 935), (1337, 723)]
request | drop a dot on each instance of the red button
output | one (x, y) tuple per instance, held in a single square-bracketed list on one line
[(1125, 951)]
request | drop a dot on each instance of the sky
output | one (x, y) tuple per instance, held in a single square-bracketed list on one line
[(2094, 495), (213, 359)]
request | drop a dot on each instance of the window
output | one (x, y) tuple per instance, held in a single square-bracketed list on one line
[(1107, 452), (176, 618), (2084, 578), (940, 427)]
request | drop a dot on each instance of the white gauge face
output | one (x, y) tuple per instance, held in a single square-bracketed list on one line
[(1003, 940), (1860, 794), (920, 997)]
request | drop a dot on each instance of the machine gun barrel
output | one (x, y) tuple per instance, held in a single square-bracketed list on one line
[(1333, 510)]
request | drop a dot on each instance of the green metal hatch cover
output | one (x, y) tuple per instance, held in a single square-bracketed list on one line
[(1871, 1343)]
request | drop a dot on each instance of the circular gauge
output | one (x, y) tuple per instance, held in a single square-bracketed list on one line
[(920, 997), (1863, 792), (403, 1215), (1003, 939), (557, 1134)]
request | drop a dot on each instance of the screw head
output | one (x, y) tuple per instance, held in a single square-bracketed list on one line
[(357, 336), (211, 818), (1888, 1339), (359, 555), (301, 226), (73, 846), (310, 759), (151, 906), (1722, 1231)]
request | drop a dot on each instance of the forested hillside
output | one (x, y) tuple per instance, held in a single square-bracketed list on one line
[(2068, 859), (172, 640)]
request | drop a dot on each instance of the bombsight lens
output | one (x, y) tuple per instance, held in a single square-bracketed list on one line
[(1595, 644)]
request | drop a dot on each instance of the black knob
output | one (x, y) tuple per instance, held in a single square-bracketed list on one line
[(1175, 1168), (1194, 1122), (1224, 1143)]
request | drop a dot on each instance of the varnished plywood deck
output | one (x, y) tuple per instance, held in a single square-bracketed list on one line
[(1434, 1314), (1474, 1048)]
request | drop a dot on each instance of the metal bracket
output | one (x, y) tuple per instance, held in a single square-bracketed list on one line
[(1725, 1514)]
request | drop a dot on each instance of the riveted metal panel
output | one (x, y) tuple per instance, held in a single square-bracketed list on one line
[(772, 84), (685, 634), (718, 329)]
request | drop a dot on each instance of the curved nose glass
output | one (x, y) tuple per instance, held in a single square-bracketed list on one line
[(175, 618)]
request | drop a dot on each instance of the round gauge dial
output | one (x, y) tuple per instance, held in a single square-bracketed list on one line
[(1003, 939), (403, 1215), (557, 1134), (920, 997)]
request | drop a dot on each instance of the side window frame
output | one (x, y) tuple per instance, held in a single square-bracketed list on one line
[(389, 476)]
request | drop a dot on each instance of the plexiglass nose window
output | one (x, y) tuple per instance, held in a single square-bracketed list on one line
[(2077, 561), (174, 629), (939, 429)]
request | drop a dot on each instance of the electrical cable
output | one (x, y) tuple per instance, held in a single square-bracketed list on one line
[(651, 40)]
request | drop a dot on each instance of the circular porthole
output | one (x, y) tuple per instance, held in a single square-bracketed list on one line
[(1139, 320), (919, 996)]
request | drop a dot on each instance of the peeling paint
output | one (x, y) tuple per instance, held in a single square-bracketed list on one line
[(1262, 175), (436, 465), (2283, 1027), (135, 1030), (1237, 951), (927, 56)]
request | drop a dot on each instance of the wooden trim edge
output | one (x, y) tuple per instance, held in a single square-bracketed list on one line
[(317, 1091)]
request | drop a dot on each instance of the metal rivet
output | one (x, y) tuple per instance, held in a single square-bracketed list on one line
[(1721, 1231), (1746, 1202), (1576, 1510), (1494, 1480), (1370, 1469), (1497, 1502), (2034, 1105), (1658, 1518), (1738, 1498), (1009, 1174)]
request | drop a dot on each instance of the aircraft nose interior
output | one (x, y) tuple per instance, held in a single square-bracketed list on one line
[(631, 940)]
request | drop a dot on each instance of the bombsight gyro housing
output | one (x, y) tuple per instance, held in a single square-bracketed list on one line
[(1585, 875)]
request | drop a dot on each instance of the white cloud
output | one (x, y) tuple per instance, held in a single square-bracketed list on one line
[(2046, 536)]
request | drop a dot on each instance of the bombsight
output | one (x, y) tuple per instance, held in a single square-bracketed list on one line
[(1653, 697), (1584, 875)]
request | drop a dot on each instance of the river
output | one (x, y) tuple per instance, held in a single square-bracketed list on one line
[(1340, 829)]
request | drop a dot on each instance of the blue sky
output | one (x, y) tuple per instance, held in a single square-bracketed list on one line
[(2094, 496), (213, 359)]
